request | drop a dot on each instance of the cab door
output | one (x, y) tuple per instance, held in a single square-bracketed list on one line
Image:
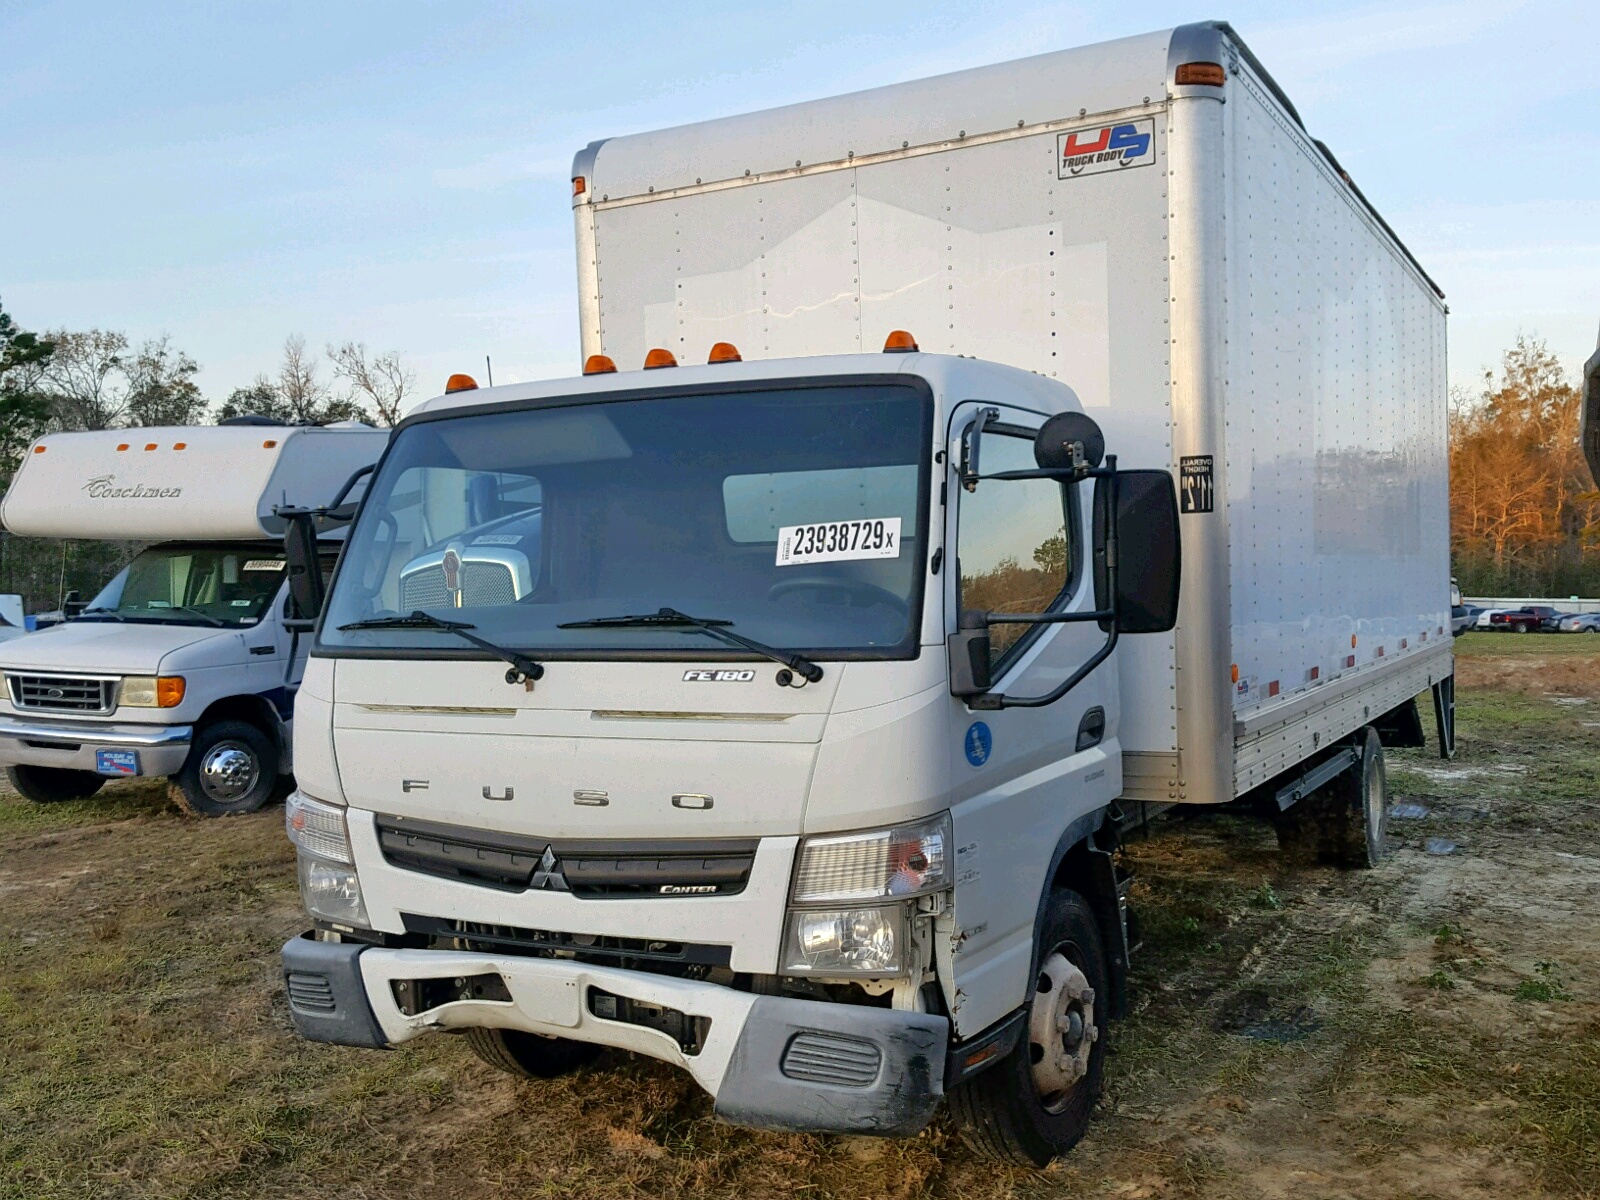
[(1023, 777)]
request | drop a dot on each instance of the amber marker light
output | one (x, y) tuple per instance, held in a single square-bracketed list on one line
[(724, 352), (1209, 74), (899, 342), (580, 185), (658, 358), (460, 383), (599, 364)]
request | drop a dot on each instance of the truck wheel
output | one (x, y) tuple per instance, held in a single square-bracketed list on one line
[(46, 785), (1034, 1104), (1524, 628), (1346, 821), (530, 1054), (232, 768)]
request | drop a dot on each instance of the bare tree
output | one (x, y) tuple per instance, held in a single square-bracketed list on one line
[(302, 393), (86, 380), (161, 386), (383, 380)]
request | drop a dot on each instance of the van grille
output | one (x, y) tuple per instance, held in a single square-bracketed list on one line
[(62, 693)]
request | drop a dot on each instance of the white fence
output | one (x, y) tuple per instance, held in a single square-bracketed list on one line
[(1567, 604)]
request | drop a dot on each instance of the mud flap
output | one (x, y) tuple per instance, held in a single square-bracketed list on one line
[(1444, 714)]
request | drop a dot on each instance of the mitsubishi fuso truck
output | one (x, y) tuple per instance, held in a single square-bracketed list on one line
[(181, 666), (960, 471)]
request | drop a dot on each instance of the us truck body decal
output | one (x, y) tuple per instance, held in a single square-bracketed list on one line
[(1095, 149)]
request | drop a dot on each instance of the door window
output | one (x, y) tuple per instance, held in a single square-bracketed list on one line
[(1014, 550)]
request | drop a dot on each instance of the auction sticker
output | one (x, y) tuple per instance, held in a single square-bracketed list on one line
[(839, 541)]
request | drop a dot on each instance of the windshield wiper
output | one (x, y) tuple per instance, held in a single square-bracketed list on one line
[(206, 617), (523, 669), (103, 612), (798, 663)]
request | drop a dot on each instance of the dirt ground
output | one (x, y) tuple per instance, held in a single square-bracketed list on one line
[(1428, 1029)]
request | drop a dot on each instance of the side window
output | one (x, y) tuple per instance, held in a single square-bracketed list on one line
[(1013, 552)]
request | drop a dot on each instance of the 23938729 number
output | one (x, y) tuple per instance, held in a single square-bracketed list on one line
[(839, 541)]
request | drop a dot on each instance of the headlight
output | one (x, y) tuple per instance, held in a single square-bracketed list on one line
[(329, 886), (909, 860), (317, 828), (151, 691), (331, 891), (858, 941)]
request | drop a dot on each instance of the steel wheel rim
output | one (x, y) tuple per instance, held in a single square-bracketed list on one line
[(1061, 1030), (229, 771)]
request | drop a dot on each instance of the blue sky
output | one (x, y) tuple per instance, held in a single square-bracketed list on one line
[(396, 173)]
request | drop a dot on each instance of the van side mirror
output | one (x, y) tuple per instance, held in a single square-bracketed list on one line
[(1149, 562), (305, 571), (968, 649)]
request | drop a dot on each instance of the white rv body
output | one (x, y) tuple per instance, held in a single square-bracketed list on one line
[(1073, 233), (204, 497)]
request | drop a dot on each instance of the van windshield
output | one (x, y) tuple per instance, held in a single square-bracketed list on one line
[(193, 585), (794, 514)]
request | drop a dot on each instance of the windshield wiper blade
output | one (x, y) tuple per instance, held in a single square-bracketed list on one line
[(716, 627), (206, 617), (103, 612), (523, 669)]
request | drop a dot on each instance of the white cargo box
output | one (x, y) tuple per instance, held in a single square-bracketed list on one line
[(190, 482), (1177, 249)]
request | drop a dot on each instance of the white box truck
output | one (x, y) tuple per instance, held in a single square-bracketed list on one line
[(182, 665), (777, 717)]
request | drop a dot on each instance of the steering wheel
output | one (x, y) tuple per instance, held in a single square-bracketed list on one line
[(861, 593)]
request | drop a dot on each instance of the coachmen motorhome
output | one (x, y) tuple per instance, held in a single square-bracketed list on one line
[(181, 666), (1064, 439)]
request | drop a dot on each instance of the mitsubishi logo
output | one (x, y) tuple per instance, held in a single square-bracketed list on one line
[(547, 874)]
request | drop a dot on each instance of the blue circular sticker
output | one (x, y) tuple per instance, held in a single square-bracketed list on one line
[(979, 741)]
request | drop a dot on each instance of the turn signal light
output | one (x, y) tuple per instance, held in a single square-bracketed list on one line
[(899, 342), (169, 691), (1210, 74), (724, 352), (460, 383), (659, 358), (599, 364)]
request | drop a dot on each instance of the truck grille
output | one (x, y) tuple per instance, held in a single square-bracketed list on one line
[(483, 585), (449, 933), (63, 693), (516, 862)]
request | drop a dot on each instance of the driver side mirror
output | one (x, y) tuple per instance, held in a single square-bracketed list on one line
[(305, 571), (1149, 553)]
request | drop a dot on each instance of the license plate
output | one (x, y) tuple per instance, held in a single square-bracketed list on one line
[(116, 762)]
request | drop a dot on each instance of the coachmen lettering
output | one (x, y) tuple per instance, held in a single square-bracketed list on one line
[(104, 487)]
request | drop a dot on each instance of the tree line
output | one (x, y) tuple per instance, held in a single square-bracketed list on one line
[(1524, 512), (64, 380)]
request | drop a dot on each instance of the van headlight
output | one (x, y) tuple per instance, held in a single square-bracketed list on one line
[(329, 886), (151, 691)]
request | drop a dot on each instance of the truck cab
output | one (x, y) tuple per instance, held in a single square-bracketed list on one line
[(726, 809)]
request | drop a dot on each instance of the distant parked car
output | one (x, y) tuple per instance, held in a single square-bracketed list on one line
[(1485, 617), (1582, 623), (1529, 619)]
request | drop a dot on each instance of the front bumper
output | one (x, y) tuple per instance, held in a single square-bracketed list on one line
[(767, 1061), (162, 749)]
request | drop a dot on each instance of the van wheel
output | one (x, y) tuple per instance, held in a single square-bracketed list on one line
[(530, 1055), (1034, 1104), (47, 785), (232, 768), (1346, 821)]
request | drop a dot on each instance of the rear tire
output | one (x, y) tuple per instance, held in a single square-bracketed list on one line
[(529, 1054), (1346, 821), (50, 785), (232, 768), (1034, 1104)]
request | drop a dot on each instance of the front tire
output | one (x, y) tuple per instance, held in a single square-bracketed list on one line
[(232, 768), (529, 1054), (1034, 1104), (50, 785)]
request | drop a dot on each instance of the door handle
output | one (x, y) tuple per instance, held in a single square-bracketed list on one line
[(269, 649), (1091, 729)]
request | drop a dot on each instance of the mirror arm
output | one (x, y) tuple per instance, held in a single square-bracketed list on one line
[(992, 701), (970, 444)]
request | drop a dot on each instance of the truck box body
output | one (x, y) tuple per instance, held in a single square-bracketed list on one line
[(1187, 259), (217, 482)]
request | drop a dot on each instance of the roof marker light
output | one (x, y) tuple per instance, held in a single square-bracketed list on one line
[(460, 383), (724, 352), (180, 445), (121, 447), (150, 446), (659, 358), (579, 185), (38, 449), (269, 445), (1209, 73), (599, 364), (899, 342)]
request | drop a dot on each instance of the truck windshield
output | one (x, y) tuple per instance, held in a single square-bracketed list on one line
[(193, 585), (795, 515)]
